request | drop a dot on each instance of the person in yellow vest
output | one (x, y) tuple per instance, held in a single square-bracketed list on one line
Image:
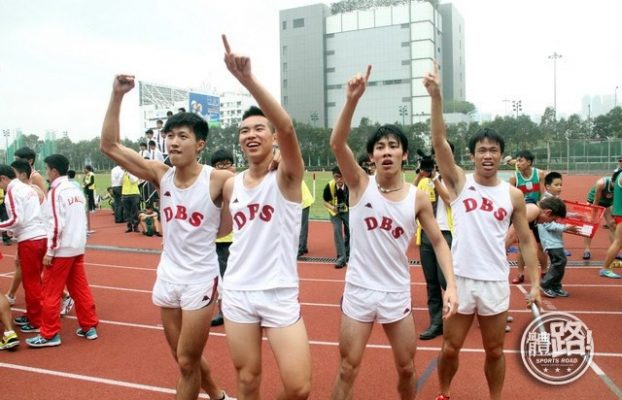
[(307, 201), (430, 182), (336, 196), (88, 182), (130, 198)]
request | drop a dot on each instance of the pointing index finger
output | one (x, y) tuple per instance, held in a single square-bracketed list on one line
[(226, 43)]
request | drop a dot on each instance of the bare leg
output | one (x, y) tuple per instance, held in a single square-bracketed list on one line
[(245, 347), (17, 280), (493, 336), (352, 340), (402, 337), (455, 330), (290, 346)]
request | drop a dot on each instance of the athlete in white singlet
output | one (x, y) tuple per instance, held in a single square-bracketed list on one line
[(483, 207), (383, 213), (190, 201), (261, 281)]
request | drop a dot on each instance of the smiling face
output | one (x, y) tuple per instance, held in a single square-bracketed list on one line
[(182, 146), (256, 138), (486, 157)]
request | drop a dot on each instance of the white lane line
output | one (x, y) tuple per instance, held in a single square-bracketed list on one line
[(608, 381), (106, 381)]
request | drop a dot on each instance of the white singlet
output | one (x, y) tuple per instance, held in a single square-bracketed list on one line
[(266, 227), (482, 217), (380, 231), (190, 221)]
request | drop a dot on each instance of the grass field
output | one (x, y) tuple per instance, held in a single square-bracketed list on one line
[(102, 181)]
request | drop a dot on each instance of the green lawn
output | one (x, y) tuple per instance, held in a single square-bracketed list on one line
[(102, 181)]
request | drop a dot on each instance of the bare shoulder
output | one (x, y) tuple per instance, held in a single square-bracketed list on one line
[(220, 176)]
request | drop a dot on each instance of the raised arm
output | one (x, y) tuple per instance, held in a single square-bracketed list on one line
[(353, 174), (452, 174), (291, 167), (110, 143)]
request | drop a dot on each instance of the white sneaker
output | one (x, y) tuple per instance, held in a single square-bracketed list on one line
[(10, 299), (66, 305)]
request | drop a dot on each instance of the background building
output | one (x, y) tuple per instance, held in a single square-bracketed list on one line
[(232, 106), (320, 50)]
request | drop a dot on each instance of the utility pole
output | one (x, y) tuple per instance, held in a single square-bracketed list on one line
[(555, 56)]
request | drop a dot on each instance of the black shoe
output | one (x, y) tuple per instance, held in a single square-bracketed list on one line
[(136, 230), (218, 320), (128, 230), (431, 333), (340, 265)]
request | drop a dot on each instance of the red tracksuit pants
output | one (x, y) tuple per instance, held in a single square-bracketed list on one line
[(66, 271), (30, 254)]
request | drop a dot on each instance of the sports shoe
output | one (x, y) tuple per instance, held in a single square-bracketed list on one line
[(549, 292), (66, 305), (441, 397), (510, 318), (23, 320), (587, 255), (90, 334), (519, 279), (29, 328), (508, 328), (567, 253), (9, 341), (512, 249), (40, 341), (10, 299), (607, 273), (561, 293), (225, 396)]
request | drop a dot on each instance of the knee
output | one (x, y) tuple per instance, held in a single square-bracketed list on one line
[(406, 371), (348, 370), (494, 352), (188, 365), (248, 380), (300, 390), (450, 350)]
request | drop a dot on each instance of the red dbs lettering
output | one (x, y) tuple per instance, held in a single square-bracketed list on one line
[(471, 204), (181, 213), (253, 211), (385, 224)]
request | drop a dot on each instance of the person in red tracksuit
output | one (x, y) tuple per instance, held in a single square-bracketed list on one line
[(64, 258), (24, 212)]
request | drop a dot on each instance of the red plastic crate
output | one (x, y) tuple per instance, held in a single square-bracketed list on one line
[(584, 215)]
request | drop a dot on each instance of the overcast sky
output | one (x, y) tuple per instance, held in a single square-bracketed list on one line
[(58, 58)]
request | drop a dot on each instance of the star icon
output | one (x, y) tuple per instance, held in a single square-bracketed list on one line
[(568, 369), (545, 370), (557, 369)]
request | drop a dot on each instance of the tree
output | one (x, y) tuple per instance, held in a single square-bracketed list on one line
[(459, 106)]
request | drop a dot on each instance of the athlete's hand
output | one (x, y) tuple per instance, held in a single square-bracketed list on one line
[(356, 85), (123, 84), (534, 296), (276, 160), (450, 301), (432, 82), (47, 260), (239, 66)]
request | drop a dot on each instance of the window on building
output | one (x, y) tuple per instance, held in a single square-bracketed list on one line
[(331, 69), (331, 104), (298, 23), (330, 52), (405, 44), (284, 83), (284, 50), (284, 25), (284, 67), (285, 100), (405, 62)]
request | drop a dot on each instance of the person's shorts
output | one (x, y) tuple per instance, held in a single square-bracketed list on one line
[(367, 305), (272, 308), (187, 297), (482, 297)]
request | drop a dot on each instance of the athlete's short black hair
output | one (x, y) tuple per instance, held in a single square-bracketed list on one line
[(486, 134), (193, 121), (555, 204), (550, 177), (22, 167), (7, 171), (387, 131), (58, 162)]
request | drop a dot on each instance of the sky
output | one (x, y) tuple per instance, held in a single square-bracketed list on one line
[(58, 58)]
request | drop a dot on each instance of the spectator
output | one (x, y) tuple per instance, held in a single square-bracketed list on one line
[(89, 187), (336, 196)]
